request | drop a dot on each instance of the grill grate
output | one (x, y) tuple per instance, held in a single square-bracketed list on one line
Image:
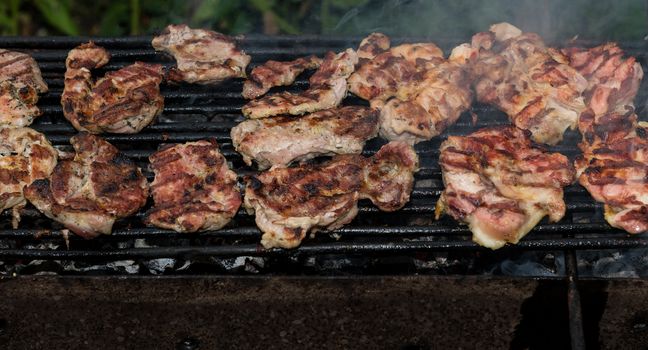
[(195, 112)]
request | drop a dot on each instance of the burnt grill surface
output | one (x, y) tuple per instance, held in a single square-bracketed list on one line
[(195, 112)]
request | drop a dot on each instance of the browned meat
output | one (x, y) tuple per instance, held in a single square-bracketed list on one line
[(123, 101), (87, 194), (613, 80), (532, 84), (279, 141), (203, 56), (373, 45), (194, 189), (328, 87), (25, 156), (290, 202), (417, 91), (273, 73), (616, 173), (501, 184), (20, 84), (614, 164)]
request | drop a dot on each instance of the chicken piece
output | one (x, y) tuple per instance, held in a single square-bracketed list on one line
[(87, 194), (372, 46), (203, 56), (532, 84), (123, 101), (613, 80), (388, 176), (290, 202), (328, 87), (395, 72), (20, 84), (501, 184), (273, 73), (616, 174), (417, 91), (25, 156), (194, 189), (440, 98), (279, 141)]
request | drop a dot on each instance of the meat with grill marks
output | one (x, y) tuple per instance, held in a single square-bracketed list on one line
[(194, 188), (20, 84), (613, 79), (533, 84), (90, 192), (614, 163), (25, 156), (328, 87), (202, 56), (291, 202), (500, 184), (418, 92), (279, 141), (274, 73), (123, 101), (373, 45)]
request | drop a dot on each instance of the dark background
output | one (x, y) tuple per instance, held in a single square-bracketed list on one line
[(553, 19)]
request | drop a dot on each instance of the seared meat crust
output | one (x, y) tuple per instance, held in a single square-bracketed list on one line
[(87, 194), (290, 202), (328, 87), (194, 189), (501, 184), (203, 56), (274, 73), (532, 84), (20, 84), (25, 156), (279, 141), (123, 101)]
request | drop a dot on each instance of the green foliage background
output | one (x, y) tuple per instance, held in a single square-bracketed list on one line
[(554, 19)]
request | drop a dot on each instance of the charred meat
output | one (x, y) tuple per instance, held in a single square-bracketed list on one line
[(25, 156), (291, 202), (500, 184), (87, 194), (533, 84), (203, 56), (123, 101), (274, 73), (194, 188), (279, 141), (418, 92), (328, 87), (373, 45), (20, 84)]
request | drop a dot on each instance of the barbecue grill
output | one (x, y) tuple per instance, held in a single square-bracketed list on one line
[(195, 112)]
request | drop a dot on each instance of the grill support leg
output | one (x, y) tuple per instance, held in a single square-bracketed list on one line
[(574, 302)]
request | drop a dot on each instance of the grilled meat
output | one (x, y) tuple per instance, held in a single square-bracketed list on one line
[(290, 202), (87, 194), (20, 84), (203, 56), (328, 87), (532, 84), (417, 91), (25, 156), (616, 174), (372, 46), (500, 184), (614, 163), (613, 80), (123, 101), (279, 141), (194, 189), (274, 73)]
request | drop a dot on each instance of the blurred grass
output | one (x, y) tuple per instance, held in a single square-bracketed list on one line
[(553, 19)]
